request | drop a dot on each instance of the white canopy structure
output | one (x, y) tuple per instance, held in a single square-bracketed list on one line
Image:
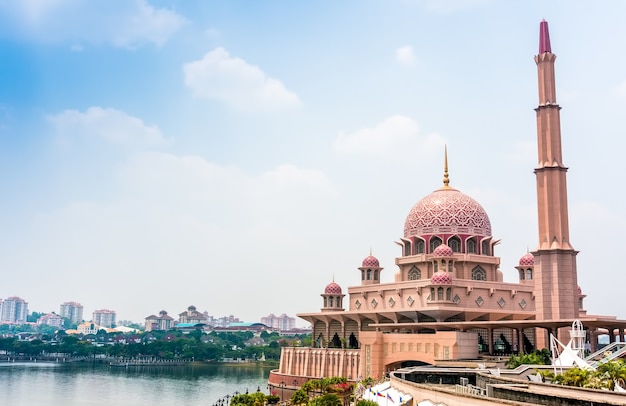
[(385, 395)]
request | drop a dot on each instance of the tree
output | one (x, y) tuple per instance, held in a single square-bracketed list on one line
[(534, 358), (300, 397), (328, 399), (364, 402), (33, 317)]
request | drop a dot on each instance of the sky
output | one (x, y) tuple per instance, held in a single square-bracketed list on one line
[(239, 156)]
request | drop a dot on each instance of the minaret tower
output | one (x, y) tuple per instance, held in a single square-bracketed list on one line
[(555, 259)]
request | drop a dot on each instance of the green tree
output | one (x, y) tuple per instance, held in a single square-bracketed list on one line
[(300, 397), (328, 399), (364, 402), (33, 317)]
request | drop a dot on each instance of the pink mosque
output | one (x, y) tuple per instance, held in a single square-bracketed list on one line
[(448, 300)]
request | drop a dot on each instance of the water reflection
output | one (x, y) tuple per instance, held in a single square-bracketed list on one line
[(99, 385)]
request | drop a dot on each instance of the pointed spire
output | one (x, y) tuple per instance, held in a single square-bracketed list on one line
[(544, 38), (370, 251), (446, 179)]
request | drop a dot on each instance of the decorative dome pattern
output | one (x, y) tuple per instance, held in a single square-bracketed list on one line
[(527, 259), (371, 262), (441, 278), (447, 211), (332, 289), (443, 251), (580, 291)]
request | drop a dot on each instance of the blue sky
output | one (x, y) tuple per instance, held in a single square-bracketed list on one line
[(239, 155)]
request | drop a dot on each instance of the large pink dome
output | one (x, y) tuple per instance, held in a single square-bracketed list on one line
[(441, 278), (447, 211), (332, 289), (370, 262)]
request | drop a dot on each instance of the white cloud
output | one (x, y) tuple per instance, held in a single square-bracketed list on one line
[(177, 220), (620, 90), (406, 56), (122, 23), (396, 138), (232, 80), (109, 124), (287, 176)]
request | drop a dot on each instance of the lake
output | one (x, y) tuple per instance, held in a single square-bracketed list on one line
[(73, 384)]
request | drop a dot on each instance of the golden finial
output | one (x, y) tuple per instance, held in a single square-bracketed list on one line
[(446, 179)]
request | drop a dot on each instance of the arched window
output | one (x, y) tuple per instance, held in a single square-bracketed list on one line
[(521, 275), (529, 274), (419, 246), (362, 275), (432, 293), (407, 248), (375, 274), (485, 248), (434, 243), (448, 293), (580, 303), (455, 244), (369, 274), (450, 268), (415, 274), (479, 274), (471, 246), (436, 266), (330, 301), (325, 301), (440, 293)]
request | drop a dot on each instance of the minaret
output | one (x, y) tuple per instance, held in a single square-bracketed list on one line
[(555, 278)]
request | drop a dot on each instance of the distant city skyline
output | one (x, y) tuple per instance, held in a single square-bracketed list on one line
[(239, 156), (15, 310)]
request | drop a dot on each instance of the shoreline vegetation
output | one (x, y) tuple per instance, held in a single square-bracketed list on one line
[(140, 361), (157, 348)]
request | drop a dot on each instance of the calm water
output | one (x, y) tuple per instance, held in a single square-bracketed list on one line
[(33, 384)]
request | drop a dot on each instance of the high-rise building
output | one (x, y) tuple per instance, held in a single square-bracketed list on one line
[(280, 323), (104, 318), (72, 311), (13, 310)]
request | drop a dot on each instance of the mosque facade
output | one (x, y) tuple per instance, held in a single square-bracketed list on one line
[(448, 300)]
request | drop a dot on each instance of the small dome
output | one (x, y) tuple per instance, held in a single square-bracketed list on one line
[(580, 291), (443, 251), (371, 262), (332, 289), (441, 278), (527, 259)]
